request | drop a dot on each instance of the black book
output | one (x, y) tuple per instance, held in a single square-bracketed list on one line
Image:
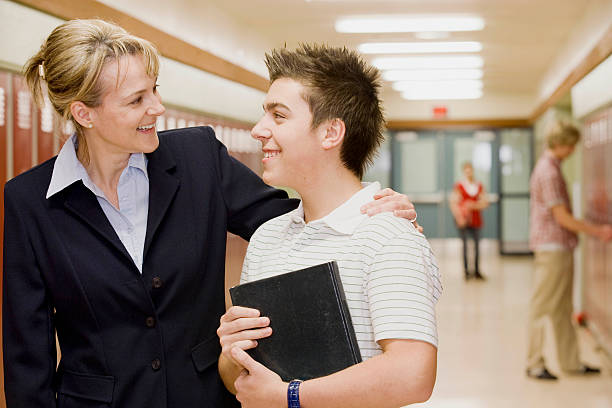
[(312, 333)]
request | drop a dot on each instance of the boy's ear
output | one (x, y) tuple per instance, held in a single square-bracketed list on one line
[(81, 113), (334, 135)]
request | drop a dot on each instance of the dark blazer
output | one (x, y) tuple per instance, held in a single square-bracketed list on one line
[(127, 340)]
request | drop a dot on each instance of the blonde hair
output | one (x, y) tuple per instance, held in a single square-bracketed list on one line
[(561, 133), (70, 62)]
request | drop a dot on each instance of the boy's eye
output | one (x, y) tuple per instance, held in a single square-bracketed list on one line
[(278, 116)]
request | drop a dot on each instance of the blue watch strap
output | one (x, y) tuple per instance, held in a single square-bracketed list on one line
[(293, 394)]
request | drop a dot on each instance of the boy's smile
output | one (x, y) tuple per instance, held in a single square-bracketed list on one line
[(291, 148)]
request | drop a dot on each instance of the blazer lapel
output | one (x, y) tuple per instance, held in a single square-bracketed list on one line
[(162, 189), (84, 204)]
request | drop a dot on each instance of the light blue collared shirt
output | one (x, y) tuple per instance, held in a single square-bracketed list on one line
[(130, 221)]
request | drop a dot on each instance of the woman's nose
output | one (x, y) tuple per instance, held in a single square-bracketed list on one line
[(156, 108)]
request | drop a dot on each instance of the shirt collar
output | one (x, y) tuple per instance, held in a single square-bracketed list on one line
[(68, 169), (552, 158), (345, 218)]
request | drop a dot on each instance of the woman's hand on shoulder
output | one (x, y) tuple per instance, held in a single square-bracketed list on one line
[(388, 200)]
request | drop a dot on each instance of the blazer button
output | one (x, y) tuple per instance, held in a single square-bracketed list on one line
[(157, 282), (156, 364), (150, 321)]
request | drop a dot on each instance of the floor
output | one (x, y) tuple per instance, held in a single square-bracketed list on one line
[(483, 341)]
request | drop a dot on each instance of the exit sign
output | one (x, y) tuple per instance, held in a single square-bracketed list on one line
[(440, 112)]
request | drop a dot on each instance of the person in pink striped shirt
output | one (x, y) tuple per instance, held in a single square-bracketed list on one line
[(552, 237)]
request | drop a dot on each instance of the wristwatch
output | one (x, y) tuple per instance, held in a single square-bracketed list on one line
[(293, 394)]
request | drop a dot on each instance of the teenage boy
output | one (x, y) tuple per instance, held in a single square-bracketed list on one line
[(321, 126), (553, 238)]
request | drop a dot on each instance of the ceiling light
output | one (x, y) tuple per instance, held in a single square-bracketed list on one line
[(438, 86), (397, 24), (431, 74), (442, 95), (419, 47), (428, 62)]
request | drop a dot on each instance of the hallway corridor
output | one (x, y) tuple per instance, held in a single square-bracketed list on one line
[(483, 340)]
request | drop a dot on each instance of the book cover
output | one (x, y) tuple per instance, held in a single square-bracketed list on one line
[(312, 332)]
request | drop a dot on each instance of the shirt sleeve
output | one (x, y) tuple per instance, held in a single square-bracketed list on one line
[(403, 287), (27, 317)]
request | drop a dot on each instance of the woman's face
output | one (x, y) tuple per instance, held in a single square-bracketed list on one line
[(468, 171), (125, 120)]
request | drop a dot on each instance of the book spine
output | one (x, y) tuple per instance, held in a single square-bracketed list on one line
[(345, 312)]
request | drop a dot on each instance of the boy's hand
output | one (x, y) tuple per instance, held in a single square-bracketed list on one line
[(604, 232), (257, 386), (241, 327), (389, 200)]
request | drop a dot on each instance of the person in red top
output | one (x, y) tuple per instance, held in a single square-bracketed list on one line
[(553, 237), (468, 199)]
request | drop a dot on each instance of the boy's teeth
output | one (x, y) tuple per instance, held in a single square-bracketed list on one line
[(270, 154), (146, 127)]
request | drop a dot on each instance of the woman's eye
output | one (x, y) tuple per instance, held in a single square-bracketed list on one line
[(155, 88), (137, 100), (278, 116)]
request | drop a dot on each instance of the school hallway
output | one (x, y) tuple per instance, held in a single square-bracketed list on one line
[(482, 328)]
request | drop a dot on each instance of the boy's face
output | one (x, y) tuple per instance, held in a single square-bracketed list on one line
[(562, 152), (291, 148)]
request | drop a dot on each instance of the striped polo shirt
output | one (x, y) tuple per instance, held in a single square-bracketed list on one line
[(388, 271)]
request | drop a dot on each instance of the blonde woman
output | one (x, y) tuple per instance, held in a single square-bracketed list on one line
[(118, 243)]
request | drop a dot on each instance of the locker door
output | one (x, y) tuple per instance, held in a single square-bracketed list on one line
[(4, 101), (22, 126)]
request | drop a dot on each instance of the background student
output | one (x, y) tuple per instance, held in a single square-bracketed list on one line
[(468, 200), (552, 237)]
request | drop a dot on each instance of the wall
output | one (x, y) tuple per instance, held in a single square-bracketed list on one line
[(597, 188), (591, 100), (181, 85), (594, 91), (587, 32)]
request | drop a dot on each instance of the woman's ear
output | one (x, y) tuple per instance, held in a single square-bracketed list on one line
[(334, 135), (81, 113)]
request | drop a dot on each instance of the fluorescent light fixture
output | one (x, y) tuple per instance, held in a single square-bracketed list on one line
[(452, 62), (431, 74), (419, 47), (438, 86), (442, 95), (399, 24)]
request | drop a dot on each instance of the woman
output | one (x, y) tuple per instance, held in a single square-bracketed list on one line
[(468, 199), (118, 243)]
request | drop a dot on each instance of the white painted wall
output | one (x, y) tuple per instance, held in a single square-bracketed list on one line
[(202, 24), (595, 21), (22, 31), (594, 91), (490, 106)]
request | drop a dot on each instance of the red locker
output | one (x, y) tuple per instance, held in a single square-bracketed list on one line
[(22, 126), (4, 100), (597, 181)]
